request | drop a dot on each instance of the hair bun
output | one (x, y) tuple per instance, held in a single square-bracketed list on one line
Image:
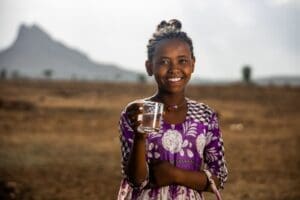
[(172, 25), (168, 30), (161, 25), (176, 23)]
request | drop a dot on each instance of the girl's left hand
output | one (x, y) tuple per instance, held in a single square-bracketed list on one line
[(162, 173)]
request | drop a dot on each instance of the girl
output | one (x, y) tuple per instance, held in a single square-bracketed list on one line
[(186, 157)]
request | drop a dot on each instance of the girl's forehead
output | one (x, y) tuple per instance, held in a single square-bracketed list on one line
[(171, 46)]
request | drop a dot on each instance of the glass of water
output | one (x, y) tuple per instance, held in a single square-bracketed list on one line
[(151, 117)]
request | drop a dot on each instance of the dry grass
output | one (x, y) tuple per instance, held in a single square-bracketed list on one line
[(59, 140)]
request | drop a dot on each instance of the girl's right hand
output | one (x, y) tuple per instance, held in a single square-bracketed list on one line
[(134, 114)]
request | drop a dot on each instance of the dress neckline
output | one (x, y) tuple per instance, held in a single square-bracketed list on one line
[(186, 115)]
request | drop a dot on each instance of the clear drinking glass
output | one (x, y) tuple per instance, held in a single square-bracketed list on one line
[(152, 116)]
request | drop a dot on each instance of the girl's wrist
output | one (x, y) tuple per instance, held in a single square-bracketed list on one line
[(140, 136), (178, 176)]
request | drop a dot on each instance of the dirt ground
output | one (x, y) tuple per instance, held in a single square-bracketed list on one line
[(59, 140)]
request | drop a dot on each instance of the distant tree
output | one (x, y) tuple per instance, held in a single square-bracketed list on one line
[(48, 73), (3, 74), (141, 78), (246, 73)]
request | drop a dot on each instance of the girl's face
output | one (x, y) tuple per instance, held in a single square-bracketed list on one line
[(172, 65)]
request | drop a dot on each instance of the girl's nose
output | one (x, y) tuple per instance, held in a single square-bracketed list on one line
[(173, 66)]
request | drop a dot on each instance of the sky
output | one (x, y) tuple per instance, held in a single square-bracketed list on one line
[(227, 34)]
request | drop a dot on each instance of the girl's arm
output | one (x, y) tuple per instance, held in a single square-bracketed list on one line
[(194, 179), (137, 169), (134, 163), (163, 173)]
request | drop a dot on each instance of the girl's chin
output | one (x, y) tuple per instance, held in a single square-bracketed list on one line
[(173, 90)]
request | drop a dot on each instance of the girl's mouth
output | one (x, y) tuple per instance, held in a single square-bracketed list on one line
[(174, 80)]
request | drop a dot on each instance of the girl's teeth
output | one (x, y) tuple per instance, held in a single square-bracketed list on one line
[(174, 79)]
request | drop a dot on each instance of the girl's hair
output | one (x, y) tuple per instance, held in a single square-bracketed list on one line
[(168, 30)]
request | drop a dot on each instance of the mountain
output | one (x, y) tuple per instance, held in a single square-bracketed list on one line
[(35, 52)]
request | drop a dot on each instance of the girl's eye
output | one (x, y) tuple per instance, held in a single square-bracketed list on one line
[(164, 62), (183, 61)]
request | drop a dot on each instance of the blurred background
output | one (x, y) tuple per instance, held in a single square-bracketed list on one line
[(68, 68)]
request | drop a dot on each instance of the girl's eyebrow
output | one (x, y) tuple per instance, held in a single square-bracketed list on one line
[(182, 56), (164, 57)]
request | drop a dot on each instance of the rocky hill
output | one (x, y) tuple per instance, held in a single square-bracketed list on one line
[(35, 54)]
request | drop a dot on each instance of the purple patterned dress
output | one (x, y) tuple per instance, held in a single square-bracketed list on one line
[(195, 143)]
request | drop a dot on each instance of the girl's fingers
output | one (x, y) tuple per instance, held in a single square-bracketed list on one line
[(134, 111), (134, 114), (134, 108), (139, 117)]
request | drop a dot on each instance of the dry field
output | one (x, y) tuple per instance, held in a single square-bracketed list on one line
[(59, 140)]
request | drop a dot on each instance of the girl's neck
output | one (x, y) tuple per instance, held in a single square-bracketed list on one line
[(177, 99)]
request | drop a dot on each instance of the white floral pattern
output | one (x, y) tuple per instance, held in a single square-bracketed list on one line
[(172, 141), (212, 154), (153, 151), (190, 128), (200, 144)]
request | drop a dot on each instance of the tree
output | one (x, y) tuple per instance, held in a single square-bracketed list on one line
[(48, 73), (141, 78), (246, 73), (3, 74)]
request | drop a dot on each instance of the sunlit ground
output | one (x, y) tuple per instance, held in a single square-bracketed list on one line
[(59, 140)]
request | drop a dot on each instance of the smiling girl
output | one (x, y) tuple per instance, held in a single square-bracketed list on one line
[(186, 157)]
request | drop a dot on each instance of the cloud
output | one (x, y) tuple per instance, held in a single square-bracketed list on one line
[(283, 2), (233, 33)]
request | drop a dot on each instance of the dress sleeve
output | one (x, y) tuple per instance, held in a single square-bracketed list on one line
[(126, 138), (214, 151)]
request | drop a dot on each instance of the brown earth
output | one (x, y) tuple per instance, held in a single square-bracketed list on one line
[(59, 140)]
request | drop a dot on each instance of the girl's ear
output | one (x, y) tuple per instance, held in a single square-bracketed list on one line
[(149, 67)]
